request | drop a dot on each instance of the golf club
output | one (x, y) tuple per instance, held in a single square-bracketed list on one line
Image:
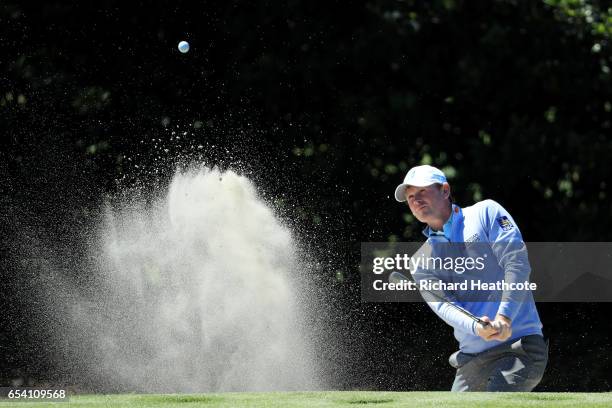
[(397, 277)]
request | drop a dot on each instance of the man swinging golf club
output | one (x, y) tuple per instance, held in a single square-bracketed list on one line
[(506, 351)]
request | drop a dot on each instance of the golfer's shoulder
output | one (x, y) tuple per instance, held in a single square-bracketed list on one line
[(485, 208), (484, 211)]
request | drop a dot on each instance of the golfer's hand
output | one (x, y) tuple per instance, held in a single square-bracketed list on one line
[(486, 332), (503, 325)]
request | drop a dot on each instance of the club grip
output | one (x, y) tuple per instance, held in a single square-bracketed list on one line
[(484, 324)]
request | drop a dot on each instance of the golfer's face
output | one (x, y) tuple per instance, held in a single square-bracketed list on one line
[(425, 202)]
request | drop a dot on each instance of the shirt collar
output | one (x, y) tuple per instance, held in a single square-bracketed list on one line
[(447, 229)]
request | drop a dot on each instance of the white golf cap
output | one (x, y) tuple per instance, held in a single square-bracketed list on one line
[(419, 176)]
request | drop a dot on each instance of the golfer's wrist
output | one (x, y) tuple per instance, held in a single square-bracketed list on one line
[(503, 318), (507, 309)]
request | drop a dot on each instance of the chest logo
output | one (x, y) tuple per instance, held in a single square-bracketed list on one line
[(473, 238)]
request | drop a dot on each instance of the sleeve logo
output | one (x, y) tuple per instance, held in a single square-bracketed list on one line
[(505, 223)]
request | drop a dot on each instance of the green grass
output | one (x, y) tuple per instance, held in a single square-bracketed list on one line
[(333, 399)]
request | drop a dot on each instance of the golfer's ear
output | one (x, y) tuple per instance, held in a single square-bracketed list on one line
[(446, 190)]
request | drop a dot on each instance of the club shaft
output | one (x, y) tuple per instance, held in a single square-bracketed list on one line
[(396, 276), (457, 307)]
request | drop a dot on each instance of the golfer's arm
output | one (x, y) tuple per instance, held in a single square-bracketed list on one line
[(453, 317), (511, 253), (449, 314), (513, 259)]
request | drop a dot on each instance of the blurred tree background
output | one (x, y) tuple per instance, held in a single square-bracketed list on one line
[(325, 105)]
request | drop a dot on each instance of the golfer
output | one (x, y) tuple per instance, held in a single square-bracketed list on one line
[(509, 353)]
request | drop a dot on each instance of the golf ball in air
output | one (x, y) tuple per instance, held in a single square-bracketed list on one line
[(183, 46)]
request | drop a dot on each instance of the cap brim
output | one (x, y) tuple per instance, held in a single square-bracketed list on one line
[(400, 192)]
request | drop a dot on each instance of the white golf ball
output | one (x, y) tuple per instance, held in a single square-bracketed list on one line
[(183, 46)]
